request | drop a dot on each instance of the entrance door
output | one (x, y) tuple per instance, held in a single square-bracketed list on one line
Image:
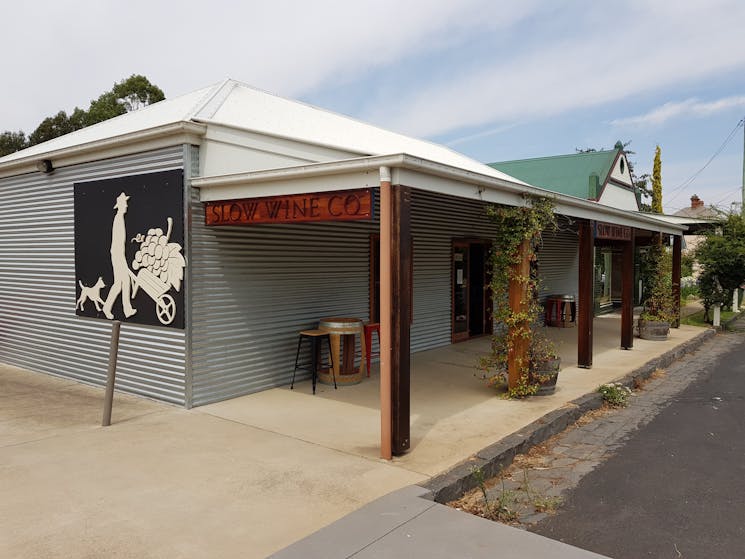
[(471, 297)]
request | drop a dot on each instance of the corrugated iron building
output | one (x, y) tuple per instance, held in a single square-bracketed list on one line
[(247, 290)]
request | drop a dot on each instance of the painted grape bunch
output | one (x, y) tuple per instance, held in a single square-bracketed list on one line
[(150, 255), (160, 257)]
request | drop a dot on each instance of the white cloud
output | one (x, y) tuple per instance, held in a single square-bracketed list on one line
[(592, 65), (689, 107), (479, 135), (496, 62), (79, 49)]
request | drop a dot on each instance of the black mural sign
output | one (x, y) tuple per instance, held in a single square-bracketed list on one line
[(129, 248)]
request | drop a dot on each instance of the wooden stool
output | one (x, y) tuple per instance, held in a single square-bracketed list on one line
[(315, 337), (369, 328)]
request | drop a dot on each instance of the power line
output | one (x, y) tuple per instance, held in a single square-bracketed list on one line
[(737, 189), (719, 150)]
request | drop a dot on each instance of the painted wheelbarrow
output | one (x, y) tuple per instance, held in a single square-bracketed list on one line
[(160, 266)]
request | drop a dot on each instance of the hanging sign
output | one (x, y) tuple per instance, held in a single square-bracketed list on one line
[(344, 205), (612, 232)]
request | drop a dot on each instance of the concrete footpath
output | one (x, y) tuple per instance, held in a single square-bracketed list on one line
[(407, 523), (248, 477)]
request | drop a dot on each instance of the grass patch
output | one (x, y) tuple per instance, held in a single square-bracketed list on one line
[(697, 319)]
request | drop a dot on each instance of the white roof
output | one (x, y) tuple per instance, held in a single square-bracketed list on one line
[(234, 104), (682, 220), (152, 116)]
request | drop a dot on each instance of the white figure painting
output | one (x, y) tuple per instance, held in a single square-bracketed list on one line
[(121, 285), (92, 293), (158, 262)]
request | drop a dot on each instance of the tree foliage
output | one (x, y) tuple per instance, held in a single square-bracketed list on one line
[(721, 257), (11, 142), (657, 182), (55, 126), (518, 235), (657, 267), (125, 96)]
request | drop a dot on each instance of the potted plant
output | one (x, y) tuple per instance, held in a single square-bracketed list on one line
[(521, 356), (545, 362), (659, 308)]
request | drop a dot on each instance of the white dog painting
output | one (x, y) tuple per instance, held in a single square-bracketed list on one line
[(93, 293)]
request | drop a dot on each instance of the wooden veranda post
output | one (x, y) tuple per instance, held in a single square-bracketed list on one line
[(585, 303), (400, 319), (517, 353), (627, 294), (385, 313), (677, 250)]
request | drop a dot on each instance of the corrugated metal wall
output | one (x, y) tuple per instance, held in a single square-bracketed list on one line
[(436, 221), (38, 326), (255, 287), (559, 261)]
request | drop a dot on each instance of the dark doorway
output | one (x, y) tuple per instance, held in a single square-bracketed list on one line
[(471, 299)]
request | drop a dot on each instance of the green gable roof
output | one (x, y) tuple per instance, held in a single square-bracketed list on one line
[(565, 174)]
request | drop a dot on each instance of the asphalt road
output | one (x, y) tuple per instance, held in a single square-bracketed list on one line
[(676, 488)]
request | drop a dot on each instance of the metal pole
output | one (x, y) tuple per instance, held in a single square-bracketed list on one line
[(111, 375), (742, 207)]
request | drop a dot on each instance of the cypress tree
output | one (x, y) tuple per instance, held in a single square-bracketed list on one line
[(657, 183)]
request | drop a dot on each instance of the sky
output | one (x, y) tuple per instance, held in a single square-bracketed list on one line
[(492, 79)]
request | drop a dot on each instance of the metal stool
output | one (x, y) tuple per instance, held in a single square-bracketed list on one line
[(369, 328), (315, 336)]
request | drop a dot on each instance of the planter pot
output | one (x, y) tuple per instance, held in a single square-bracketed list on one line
[(546, 374), (653, 330)]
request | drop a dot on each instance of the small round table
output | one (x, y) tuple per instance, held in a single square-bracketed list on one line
[(342, 332), (560, 310)]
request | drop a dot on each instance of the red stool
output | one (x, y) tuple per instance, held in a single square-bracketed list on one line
[(369, 328)]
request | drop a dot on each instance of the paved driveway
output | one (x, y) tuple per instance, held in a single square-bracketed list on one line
[(161, 481)]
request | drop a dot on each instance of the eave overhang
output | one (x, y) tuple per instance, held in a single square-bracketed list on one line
[(183, 132), (415, 172)]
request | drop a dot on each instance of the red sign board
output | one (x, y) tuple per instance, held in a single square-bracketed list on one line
[(612, 232), (344, 205)]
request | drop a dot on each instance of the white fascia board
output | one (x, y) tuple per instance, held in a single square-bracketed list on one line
[(443, 185), (417, 173), (234, 135), (136, 142), (298, 185)]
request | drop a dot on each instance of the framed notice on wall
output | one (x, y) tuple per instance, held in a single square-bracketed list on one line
[(129, 248)]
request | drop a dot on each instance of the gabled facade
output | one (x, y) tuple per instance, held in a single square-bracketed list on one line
[(602, 176)]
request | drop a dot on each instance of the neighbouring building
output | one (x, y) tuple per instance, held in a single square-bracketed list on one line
[(602, 176)]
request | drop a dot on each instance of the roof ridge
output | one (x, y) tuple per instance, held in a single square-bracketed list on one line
[(212, 100), (574, 155), (346, 117)]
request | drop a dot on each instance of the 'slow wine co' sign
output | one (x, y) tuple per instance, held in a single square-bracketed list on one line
[(611, 231), (344, 205)]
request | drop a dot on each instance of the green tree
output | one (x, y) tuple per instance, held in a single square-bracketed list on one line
[(11, 142), (657, 182), (125, 96), (53, 127), (722, 259)]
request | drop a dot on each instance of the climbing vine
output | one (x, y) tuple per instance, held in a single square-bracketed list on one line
[(518, 235)]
